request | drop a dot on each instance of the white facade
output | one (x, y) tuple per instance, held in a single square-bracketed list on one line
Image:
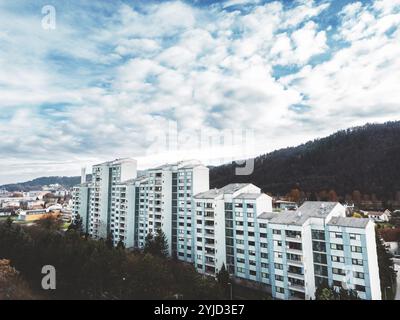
[(220, 213), (165, 201), (289, 254)]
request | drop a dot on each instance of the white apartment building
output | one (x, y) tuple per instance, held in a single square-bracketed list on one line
[(100, 203), (105, 177), (215, 224), (165, 202), (161, 199), (80, 204), (289, 253)]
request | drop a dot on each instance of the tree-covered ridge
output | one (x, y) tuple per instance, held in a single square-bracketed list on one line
[(358, 162), (89, 269), (36, 184)]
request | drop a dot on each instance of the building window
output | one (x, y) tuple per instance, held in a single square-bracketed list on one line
[(358, 275), (278, 266), (335, 246), (337, 235), (278, 278), (337, 259), (318, 234), (278, 254), (278, 243), (356, 249), (275, 231), (279, 290), (360, 288), (357, 262), (354, 236), (338, 271)]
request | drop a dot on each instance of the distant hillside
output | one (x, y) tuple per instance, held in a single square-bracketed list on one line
[(365, 158), (38, 183)]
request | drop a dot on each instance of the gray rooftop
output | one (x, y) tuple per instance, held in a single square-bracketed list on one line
[(310, 209), (185, 164), (348, 222), (233, 187), (267, 215), (249, 195), (210, 194), (116, 161)]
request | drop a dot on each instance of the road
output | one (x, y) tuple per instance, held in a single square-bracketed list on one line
[(397, 268)]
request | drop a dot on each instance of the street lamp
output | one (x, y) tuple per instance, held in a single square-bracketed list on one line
[(230, 290)]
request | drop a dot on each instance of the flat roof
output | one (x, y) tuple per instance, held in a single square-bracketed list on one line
[(267, 215), (210, 194), (249, 195), (233, 187), (116, 161), (349, 222), (310, 209)]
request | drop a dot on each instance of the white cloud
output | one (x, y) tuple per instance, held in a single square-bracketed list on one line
[(208, 68)]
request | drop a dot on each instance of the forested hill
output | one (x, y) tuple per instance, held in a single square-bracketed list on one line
[(364, 159), (36, 184)]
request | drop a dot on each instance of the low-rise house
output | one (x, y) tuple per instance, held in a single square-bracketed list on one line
[(282, 205), (378, 216), (34, 215)]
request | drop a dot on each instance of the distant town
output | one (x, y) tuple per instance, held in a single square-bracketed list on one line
[(28, 207)]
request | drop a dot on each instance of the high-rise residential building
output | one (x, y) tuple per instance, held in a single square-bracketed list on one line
[(214, 234), (289, 253), (80, 203), (164, 197), (98, 202)]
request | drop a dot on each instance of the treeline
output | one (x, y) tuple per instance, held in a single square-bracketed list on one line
[(361, 163), (35, 184), (88, 269)]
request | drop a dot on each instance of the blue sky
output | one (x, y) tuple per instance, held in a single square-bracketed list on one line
[(115, 77)]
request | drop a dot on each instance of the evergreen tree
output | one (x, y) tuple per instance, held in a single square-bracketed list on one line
[(223, 276), (149, 243), (324, 292), (9, 222), (161, 244), (387, 273), (77, 224), (110, 241), (156, 245), (223, 280), (120, 245), (344, 294)]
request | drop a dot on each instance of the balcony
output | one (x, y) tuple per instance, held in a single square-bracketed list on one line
[(298, 263), (296, 275), (297, 287)]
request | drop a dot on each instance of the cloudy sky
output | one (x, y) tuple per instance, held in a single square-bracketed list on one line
[(120, 78)]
